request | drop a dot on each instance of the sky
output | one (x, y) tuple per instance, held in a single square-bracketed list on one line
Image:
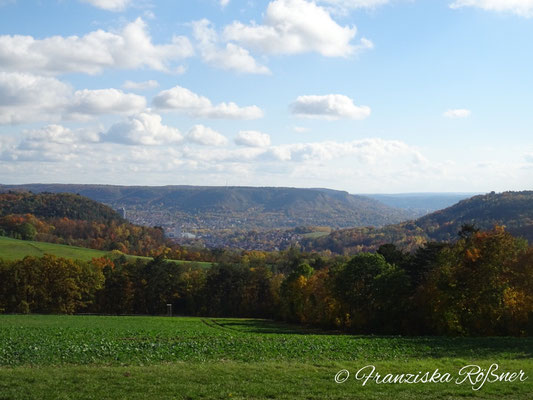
[(367, 96)]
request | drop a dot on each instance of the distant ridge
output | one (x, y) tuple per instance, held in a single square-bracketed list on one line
[(234, 206), (513, 210), (421, 203)]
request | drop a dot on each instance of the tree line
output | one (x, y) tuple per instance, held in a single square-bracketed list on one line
[(479, 285)]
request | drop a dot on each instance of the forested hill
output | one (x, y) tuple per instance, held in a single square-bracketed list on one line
[(57, 205), (243, 207), (514, 210), (72, 219)]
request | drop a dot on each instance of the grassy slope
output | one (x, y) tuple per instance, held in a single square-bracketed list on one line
[(66, 357), (13, 249)]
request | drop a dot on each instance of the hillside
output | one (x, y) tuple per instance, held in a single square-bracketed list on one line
[(14, 249), (194, 208), (72, 219), (514, 210), (51, 205)]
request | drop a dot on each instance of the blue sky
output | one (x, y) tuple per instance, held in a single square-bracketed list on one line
[(368, 96)]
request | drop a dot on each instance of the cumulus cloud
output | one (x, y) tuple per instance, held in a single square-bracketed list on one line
[(296, 26), (129, 49), (104, 101), (151, 84), (28, 98), (61, 135), (523, 8), (49, 134), (206, 136), (331, 106), (252, 139), (144, 128), (372, 151), (224, 3), (368, 151), (457, 113), (52, 143), (183, 100), (110, 5), (210, 157), (229, 57)]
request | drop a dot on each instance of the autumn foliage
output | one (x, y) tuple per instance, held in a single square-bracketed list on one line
[(479, 285)]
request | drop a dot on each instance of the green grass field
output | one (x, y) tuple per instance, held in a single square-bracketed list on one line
[(315, 235), (93, 357), (14, 249)]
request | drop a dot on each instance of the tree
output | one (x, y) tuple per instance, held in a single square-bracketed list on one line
[(294, 294), (472, 289), (27, 231), (373, 294)]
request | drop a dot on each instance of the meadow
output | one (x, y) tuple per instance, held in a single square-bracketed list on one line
[(14, 249), (99, 357)]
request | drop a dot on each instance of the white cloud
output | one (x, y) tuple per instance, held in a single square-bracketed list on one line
[(129, 49), (331, 106), (110, 5), (224, 3), (230, 57), (28, 98), (457, 113), (183, 100), (252, 139), (52, 143), (59, 134), (143, 129), (51, 134), (523, 8), (104, 101), (367, 151), (296, 26), (360, 166), (151, 84), (212, 157), (206, 136), (529, 157)]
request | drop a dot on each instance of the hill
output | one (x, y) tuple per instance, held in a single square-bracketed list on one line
[(50, 205), (14, 249), (514, 210), (183, 209), (72, 219)]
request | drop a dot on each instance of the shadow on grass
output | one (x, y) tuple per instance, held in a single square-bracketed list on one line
[(265, 326), (473, 347), (428, 346)]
